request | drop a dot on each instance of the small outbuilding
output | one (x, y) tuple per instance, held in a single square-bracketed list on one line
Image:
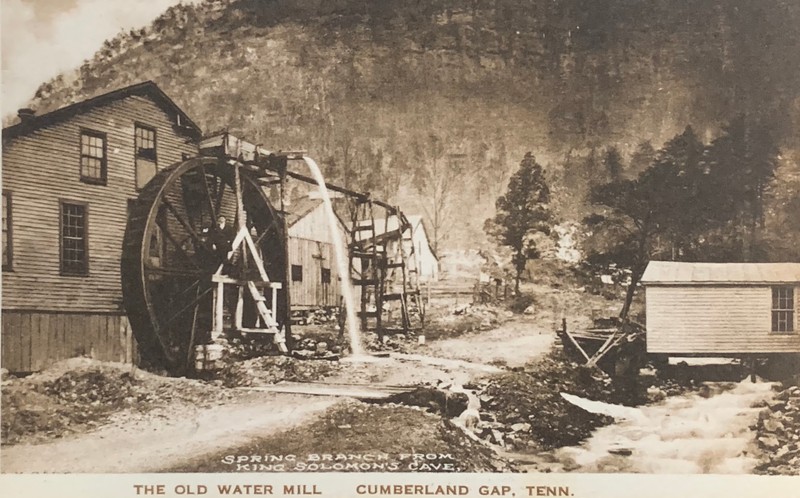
[(425, 259), (722, 308), (314, 272)]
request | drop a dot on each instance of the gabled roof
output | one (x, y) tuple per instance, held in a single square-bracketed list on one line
[(300, 208), (146, 88), (677, 273)]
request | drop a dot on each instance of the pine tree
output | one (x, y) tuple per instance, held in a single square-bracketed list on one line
[(522, 212), (612, 162), (642, 157), (740, 162)]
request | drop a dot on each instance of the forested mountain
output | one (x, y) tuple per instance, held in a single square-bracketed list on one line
[(423, 100)]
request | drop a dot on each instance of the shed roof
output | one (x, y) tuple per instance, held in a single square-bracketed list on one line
[(301, 208), (144, 88), (676, 273)]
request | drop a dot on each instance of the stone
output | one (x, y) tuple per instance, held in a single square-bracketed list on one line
[(322, 347), (772, 425), (655, 394), (769, 442), (776, 405), (621, 451), (521, 427), (497, 438), (490, 425), (530, 310)]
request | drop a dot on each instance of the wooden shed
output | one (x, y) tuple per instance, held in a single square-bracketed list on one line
[(722, 308), (67, 178), (313, 270)]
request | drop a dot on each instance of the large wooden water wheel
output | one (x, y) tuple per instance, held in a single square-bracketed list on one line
[(176, 252)]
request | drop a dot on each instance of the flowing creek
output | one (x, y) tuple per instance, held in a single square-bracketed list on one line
[(686, 434)]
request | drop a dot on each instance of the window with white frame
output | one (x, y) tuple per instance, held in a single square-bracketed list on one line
[(783, 309)]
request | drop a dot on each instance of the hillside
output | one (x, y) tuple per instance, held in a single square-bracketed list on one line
[(416, 100)]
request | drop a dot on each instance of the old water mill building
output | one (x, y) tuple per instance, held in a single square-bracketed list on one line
[(114, 247)]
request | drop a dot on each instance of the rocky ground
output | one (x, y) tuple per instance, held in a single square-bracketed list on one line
[(778, 433), (486, 381), (79, 395), (352, 437)]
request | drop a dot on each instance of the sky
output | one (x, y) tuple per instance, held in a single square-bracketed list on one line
[(42, 38)]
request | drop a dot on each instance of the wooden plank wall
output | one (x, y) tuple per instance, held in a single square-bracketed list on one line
[(715, 319), (308, 237), (42, 168), (313, 256), (32, 340)]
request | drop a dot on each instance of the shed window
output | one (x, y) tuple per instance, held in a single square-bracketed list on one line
[(74, 249), (146, 157), (7, 229), (326, 275), (93, 157), (783, 309), (297, 273)]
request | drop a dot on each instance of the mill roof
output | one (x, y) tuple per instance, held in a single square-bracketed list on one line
[(147, 88), (678, 273)]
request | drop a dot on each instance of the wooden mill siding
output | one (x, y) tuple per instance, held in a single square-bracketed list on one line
[(715, 319), (310, 246), (32, 340), (41, 169)]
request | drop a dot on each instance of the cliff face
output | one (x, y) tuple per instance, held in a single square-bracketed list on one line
[(378, 90)]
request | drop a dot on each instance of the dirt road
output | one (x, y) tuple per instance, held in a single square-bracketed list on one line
[(165, 439), (160, 441)]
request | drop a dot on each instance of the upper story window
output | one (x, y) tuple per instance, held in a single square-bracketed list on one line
[(145, 153), (93, 157), (8, 246), (74, 237), (783, 309)]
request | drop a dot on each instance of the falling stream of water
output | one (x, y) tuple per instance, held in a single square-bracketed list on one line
[(353, 331)]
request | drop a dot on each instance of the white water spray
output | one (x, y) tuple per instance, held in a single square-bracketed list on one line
[(341, 261)]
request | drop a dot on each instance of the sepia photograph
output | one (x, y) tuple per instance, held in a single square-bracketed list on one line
[(348, 248)]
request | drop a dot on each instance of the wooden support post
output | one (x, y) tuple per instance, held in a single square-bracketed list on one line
[(287, 295), (239, 308), (574, 342), (274, 302), (602, 351), (219, 309)]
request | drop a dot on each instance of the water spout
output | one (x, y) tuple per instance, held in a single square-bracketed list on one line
[(353, 331)]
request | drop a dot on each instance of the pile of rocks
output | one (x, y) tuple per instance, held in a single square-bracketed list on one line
[(315, 349), (778, 434), (523, 409), (79, 394), (274, 369), (316, 317)]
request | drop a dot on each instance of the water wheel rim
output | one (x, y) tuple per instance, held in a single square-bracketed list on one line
[(164, 345)]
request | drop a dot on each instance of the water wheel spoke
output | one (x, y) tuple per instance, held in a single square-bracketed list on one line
[(269, 230), (165, 231), (186, 225), (211, 207), (175, 271), (160, 328)]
